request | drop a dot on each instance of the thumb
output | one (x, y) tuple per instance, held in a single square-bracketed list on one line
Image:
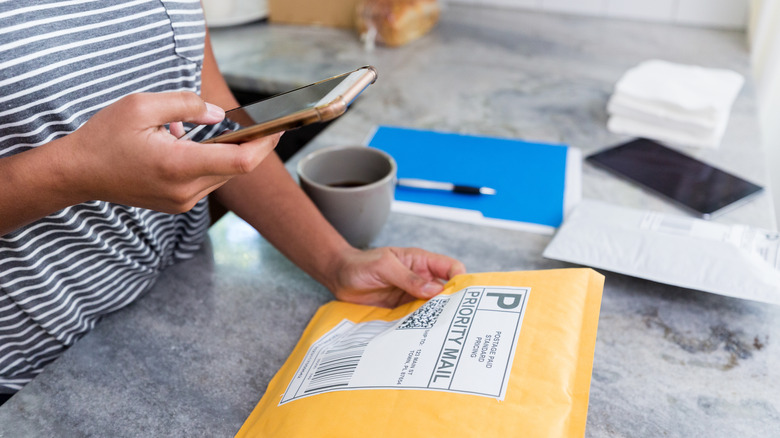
[(415, 285), (176, 106)]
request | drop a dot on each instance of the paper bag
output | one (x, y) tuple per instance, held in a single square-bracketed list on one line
[(496, 354)]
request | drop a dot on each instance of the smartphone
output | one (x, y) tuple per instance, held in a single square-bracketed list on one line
[(700, 188), (318, 102)]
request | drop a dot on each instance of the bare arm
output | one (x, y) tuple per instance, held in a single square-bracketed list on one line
[(36, 184), (269, 199), (283, 213), (124, 154)]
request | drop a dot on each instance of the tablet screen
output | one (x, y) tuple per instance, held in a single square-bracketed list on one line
[(679, 177)]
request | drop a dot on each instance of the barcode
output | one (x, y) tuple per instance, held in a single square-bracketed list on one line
[(339, 363), (426, 316)]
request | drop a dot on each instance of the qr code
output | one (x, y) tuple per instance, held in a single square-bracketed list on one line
[(426, 316)]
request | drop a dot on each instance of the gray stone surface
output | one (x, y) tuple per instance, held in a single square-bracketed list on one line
[(529, 75), (194, 355)]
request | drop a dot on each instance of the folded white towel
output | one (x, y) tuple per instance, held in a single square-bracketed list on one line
[(638, 109), (685, 104), (628, 126), (689, 89)]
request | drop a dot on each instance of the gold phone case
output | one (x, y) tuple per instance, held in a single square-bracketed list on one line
[(322, 113)]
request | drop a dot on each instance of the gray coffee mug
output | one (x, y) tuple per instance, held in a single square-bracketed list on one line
[(353, 187)]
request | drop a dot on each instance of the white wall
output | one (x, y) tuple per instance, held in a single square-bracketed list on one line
[(732, 14), (764, 33)]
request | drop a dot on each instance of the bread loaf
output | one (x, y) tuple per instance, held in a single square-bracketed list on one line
[(396, 22)]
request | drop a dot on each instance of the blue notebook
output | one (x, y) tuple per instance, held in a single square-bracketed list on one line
[(535, 183)]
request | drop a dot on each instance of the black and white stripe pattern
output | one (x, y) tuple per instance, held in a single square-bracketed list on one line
[(60, 62)]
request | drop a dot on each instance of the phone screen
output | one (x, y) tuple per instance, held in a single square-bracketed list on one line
[(288, 103), (683, 179)]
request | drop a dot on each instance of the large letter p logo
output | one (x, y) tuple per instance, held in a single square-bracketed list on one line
[(507, 301)]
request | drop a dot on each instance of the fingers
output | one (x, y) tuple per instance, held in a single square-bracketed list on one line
[(430, 264), (442, 266), (180, 106), (193, 170), (126, 155), (227, 159), (424, 270), (176, 129), (390, 276), (405, 278)]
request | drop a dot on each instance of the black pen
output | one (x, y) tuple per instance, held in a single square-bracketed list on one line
[(446, 186)]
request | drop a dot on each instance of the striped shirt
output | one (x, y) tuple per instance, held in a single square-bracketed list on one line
[(60, 62)]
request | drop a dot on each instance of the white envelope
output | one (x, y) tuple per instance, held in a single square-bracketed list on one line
[(732, 260)]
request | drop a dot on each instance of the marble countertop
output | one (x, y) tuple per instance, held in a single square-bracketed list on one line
[(194, 355), (534, 76)]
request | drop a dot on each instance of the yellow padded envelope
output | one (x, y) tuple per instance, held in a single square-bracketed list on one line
[(504, 354)]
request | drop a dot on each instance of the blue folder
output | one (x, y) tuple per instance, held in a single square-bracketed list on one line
[(535, 182)]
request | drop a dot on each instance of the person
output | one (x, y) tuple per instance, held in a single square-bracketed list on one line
[(99, 196)]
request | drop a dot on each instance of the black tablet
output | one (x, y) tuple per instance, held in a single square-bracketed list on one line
[(701, 188)]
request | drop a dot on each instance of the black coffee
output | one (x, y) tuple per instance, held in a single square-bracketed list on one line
[(349, 184)]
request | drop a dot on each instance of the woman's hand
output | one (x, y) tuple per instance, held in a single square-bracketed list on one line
[(390, 276), (124, 153)]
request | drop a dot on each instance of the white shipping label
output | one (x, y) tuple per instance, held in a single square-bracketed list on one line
[(756, 242), (464, 342)]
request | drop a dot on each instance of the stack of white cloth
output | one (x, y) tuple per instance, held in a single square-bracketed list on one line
[(674, 103)]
